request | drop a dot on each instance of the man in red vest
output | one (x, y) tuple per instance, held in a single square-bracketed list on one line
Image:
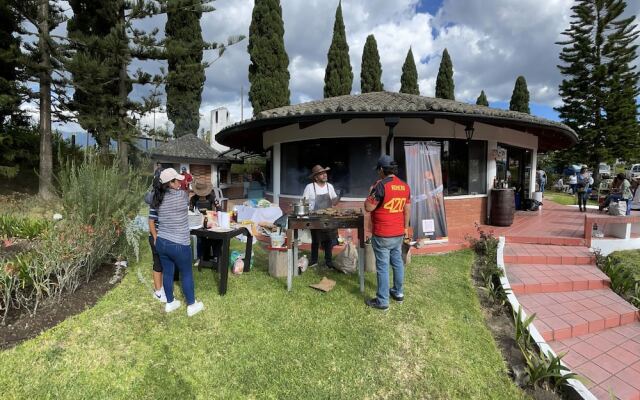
[(389, 203)]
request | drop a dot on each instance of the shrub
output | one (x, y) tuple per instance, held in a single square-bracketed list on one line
[(22, 227)]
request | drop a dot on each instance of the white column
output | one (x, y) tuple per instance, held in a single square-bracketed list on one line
[(214, 175), (534, 165), (276, 173)]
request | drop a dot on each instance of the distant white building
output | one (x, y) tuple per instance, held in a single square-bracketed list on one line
[(219, 120)]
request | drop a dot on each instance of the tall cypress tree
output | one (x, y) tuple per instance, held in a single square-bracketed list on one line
[(338, 77), (268, 73), (599, 83), (520, 96), (444, 82), (371, 72), (185, 79), (482, 99), (409, 78)]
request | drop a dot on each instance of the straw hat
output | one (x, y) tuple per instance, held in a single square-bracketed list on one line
[(317, 170), (202, 189)]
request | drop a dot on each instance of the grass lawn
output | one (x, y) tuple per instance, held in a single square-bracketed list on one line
[(259, 341), (630, 259), (565, 199)]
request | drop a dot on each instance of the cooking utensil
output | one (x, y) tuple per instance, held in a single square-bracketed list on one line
[(301, 208)]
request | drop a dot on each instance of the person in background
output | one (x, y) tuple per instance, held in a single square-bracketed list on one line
[(185, 184), (542, 179), (156, 173), (203, 199), (573, 183), (173, 240), (389, 203), (625, 191), (614, 194), (321, 194), (584, 188), (158, 292)]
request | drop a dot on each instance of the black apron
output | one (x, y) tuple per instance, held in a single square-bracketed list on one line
[(323, 201)]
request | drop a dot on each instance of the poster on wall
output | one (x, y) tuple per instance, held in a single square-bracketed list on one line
[(424, 176)]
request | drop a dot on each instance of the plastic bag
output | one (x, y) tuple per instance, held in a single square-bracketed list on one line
[(236, 262), (347, 259), (303, 263)]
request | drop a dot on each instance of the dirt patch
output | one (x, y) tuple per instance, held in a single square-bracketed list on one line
[(21, 326), (11, 247), (499, 320)]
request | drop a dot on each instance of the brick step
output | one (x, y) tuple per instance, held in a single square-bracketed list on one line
[(554, 240), (563, 315), (609, 359), (524, 253), (549, 278)]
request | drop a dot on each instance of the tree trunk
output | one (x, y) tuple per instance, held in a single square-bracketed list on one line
[(123, 145), (45, 186)]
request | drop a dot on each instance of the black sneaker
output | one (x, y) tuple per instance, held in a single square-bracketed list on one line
[(373, 303), (399, 299)]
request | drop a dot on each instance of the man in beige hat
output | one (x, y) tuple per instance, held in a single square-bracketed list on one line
[(203, 197), (321, 194)]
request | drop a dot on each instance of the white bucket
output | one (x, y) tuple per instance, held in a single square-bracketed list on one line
[(224, 219), (537, 196), (277, 239)]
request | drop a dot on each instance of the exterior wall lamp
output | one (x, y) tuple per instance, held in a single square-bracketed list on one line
[(468, 131)]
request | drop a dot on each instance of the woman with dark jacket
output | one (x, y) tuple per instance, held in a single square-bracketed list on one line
[(584, 188), (173, 240)]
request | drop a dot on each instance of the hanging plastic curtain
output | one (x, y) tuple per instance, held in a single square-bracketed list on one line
[(424, 176)]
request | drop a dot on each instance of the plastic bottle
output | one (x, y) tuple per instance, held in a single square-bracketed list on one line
[(303, 263)]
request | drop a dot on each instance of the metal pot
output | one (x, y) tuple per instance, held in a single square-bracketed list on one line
[(300, 209)]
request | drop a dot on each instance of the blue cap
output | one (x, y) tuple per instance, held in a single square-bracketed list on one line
[(385, 161)]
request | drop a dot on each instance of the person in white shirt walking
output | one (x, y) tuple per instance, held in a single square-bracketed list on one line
[(321, 194)]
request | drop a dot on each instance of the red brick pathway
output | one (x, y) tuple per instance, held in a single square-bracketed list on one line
[(576, 312)]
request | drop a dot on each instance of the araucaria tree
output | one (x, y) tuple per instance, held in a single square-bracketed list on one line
[(338, 77), (482, 99), (409, 78), (600, 82), (185, 79), (520, 96), (268, 71), (371, 72), (444, 82)]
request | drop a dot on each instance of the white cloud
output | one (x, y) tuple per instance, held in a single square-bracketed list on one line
[(491, 42)]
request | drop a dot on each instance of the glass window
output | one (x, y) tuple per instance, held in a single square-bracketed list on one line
[(352, 162), (464, 165), (269, 169)]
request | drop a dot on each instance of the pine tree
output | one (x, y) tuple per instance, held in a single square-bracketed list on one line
[(11, 70), (600, 84), (338, 77), (482, 99), (409, 78), (520, 96), (268, 71), (444, 82), (94, 68), (371, 69)]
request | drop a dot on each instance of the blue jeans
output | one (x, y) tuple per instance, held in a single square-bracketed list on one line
[(174, 255), (388, 250)]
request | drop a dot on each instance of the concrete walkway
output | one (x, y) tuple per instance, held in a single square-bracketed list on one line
[(553, 274)]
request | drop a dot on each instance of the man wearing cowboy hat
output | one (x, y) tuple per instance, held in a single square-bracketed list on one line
[(321, 194), (204, 199)]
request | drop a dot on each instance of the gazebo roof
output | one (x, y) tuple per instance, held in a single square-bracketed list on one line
[(243, 135), (188, 148)]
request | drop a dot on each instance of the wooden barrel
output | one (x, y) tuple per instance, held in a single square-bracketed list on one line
[(502, 207)]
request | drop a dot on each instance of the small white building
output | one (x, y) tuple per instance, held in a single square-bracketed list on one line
[(219, 121)]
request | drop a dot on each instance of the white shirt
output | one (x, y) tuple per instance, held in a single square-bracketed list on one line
[(573, 180), (310, 195)]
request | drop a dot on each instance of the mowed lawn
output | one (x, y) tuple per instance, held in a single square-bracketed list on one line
[(259, 341)]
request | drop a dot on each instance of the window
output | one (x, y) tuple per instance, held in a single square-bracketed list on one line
[(464, 165), (352, 162)]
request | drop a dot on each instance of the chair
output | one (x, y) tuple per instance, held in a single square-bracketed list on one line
[(217, 192)]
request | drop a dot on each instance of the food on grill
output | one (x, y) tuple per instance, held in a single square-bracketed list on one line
[(338, 212)]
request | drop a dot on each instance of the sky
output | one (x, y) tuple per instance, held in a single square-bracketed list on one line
[(491, 43)]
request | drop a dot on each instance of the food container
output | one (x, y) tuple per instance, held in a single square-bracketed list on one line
[(301, 208), (277, 239)]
